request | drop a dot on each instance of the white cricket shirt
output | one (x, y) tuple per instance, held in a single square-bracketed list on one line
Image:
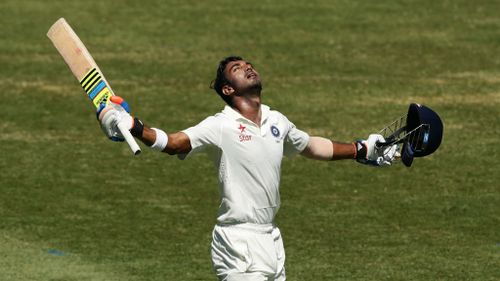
[(248, 160)]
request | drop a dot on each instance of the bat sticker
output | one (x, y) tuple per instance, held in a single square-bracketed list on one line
[(96, 90), (95, 87), (102, 97), (90, 80)]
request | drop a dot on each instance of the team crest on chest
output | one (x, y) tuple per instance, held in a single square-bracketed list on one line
[(243, 137), (275, 131)]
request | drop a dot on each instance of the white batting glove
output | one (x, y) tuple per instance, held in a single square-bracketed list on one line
[(368, 153), (388, 154), (110, 116), (372, 154)]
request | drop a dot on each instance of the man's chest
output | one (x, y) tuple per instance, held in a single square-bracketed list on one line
[(251, 144)]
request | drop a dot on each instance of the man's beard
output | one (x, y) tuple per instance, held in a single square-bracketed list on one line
[(255, 88), (252, 89)]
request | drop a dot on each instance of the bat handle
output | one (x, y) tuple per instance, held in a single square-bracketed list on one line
[(129, 139)]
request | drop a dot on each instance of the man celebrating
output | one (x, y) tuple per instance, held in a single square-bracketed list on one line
[(246, 141)]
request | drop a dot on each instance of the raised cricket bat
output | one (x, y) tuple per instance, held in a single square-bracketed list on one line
[(83, 66)]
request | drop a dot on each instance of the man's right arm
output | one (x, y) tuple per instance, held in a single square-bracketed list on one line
[(177, 143), (118, 111)]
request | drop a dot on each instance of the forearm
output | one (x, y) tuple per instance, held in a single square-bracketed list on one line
[(177, 143), (320, 148), (343, 151), (148, 136), (157, 139)]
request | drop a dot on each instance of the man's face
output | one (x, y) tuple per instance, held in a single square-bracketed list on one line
[(243, 77)]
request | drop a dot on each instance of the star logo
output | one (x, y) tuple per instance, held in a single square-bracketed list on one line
[(242, 128)]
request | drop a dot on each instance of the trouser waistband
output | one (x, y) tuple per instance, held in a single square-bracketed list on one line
[(261, 228)]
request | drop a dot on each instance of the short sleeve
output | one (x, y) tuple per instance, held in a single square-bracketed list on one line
[(204, 135), (295, 140)]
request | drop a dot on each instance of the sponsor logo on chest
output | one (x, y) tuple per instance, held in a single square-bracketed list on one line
[(243, 136)]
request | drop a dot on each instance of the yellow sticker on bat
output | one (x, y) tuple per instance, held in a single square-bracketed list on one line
[(90, 80), (96, 88), (102, 96)]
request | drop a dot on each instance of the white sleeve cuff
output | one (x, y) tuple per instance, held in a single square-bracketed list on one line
[(161, 140)]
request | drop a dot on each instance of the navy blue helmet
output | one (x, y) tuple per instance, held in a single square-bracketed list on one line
[(425, 132)]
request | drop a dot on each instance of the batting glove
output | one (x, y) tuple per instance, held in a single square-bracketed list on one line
[(388, 154), (115, 112), (368, 153)]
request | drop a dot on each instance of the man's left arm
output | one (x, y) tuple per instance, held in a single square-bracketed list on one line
[(364, 151), (320, 148)]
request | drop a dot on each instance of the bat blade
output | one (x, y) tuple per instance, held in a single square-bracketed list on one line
[(71, 48), (85, 69)]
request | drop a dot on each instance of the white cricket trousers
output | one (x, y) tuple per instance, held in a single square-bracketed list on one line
[(248, 252)]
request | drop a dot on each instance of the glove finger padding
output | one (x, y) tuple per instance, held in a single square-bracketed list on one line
[(372, 153), (111, 115), (388, 154), (109, 123)]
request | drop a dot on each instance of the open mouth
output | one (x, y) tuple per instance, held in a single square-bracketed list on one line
[(251, 75)]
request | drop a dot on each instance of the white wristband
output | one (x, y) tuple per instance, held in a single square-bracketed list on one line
[(161, 140)]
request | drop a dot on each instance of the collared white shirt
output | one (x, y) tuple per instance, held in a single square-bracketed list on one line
[(248, 159)]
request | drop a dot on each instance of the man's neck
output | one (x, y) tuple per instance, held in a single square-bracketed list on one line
[(249, 107)]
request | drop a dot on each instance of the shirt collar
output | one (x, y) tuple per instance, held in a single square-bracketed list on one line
[(235, 115)]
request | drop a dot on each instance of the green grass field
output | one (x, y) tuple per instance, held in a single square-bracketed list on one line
[(75, 206)]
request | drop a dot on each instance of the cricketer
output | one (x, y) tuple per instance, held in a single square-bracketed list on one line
[(246, 142)]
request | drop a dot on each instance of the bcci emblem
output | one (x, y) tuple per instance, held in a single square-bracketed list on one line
[(275, 131)]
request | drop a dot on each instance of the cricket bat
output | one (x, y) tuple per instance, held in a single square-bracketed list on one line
[(83, 66)]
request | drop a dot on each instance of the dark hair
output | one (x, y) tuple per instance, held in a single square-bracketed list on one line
[(221, 80)]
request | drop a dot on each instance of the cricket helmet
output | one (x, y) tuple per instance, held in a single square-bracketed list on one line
[(425, 132)]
